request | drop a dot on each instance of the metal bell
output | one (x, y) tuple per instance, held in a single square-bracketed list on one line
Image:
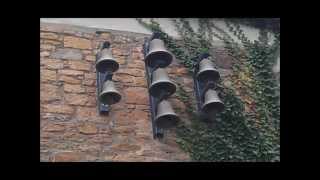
[(109, 94), (207, 71), (166, 117), (105, 62), (212, 102), (158, 56), (161, 84)]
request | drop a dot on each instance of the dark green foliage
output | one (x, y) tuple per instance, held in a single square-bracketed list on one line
[(236, 135)]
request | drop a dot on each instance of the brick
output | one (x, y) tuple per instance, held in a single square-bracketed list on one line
[(73, 88), (78, 65), (53, 42), (139, 115), (80, 99), (105, 36), (76, 42), (86, 112), (136, 95), (90, 76), (132, 72), (91, 89), (136, 64), (86, 52), (49, 35), (67, 53), (125, 147), (48, 75), (52, 63), (48, 47), (48, 92), (69, 79), (57, 108), (54, 127), (88, 128), (70, 72), (90, 58), (124, 78), (44, 53), (69, 156), (89, 82), (140, 81)]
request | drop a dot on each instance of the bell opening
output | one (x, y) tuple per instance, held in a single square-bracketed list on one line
[(167, 121), (162, 88), (159, 59), (109, 98), (205, 76), (213, 107), (107, 66)]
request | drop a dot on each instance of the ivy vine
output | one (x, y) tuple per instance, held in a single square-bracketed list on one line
[(249, 127)]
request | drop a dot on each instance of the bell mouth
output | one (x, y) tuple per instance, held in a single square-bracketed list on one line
[(162, 87), (213, 106), (167, 121), (109, 98), (160, 59), (208, 75), (105, 65)]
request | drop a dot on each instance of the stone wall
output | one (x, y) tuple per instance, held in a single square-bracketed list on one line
[(71, 128)]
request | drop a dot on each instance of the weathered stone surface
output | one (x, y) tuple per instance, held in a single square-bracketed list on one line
[(105, 36), (53, 42), (90, 75), (52, 63), (67, 53), (132, 72), (140, 81), (80, 99), (125, 147), (123, 78), (139, 115), (88, 128), (69, 79), (89, 82), (78, 65), (90, 58), (136, 64), (69, 156), (70, 72), (48, 75), (44, 53), (48, 47), (136, 95), (76, 42), (54, 127), (48, 92), (90, 89), (74, 88), (49, 35), (57, 108), (86, 112), (120, 118)]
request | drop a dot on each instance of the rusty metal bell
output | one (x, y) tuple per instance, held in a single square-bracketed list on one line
[(109, 94), (106, 62), (158, 56), (207, 71), (212, 102), (166, 117), (161, 84)]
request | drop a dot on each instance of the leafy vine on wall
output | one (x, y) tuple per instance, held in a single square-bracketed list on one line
[(249, 127)]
